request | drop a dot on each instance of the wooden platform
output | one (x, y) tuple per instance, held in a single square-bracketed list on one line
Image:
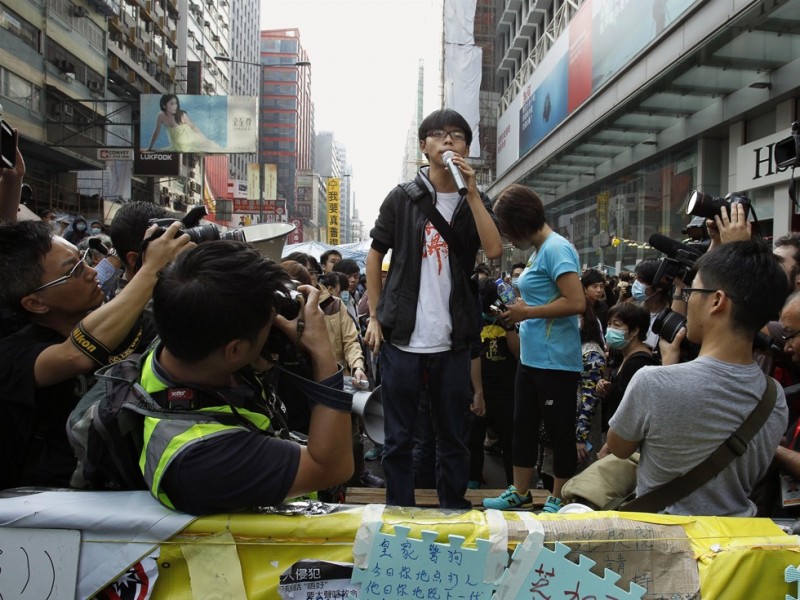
[(365, 495)]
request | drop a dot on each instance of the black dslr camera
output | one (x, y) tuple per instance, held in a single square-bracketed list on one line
[(278, 345), (706, 205), (197, 232), (787, 151)]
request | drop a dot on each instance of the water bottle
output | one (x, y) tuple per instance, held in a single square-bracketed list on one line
[(505, 292)]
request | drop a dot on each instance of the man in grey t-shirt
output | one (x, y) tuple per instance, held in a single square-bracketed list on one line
[(679, 414)]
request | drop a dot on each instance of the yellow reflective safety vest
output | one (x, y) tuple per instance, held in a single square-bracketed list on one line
[(166, 438)]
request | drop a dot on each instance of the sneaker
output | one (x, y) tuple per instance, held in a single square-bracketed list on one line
[(552, 504), (374, 453), (508, 500), (368, 479)]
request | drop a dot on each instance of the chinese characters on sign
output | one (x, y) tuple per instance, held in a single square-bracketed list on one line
[(333, 211)]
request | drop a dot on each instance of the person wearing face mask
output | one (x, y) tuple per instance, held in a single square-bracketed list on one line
[(95, 228), (628, 323), (78, 230), (653, 298)]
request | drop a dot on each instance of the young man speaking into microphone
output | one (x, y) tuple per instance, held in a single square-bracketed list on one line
[(427, 316)]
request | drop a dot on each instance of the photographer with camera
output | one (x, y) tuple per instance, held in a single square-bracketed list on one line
[(738, 288), (43, 366), (215, 309)]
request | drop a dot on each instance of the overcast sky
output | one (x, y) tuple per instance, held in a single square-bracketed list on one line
[(364, 56)]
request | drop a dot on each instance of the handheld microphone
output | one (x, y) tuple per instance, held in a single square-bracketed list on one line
[(671, 247), (447, 157)]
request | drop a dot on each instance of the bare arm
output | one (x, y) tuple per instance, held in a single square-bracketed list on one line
[(487, 229), (159, 121), (571, 301), (112, 322), (327, 460), (478, 406), (374, 335), (789, 461), (619, 447), (11, 186)]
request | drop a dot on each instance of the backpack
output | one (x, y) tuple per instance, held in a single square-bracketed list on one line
[(106, 428)]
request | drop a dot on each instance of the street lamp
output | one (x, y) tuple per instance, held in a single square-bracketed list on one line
[(294, 65)]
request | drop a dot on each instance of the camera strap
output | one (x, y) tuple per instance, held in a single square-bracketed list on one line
[(735, 446)]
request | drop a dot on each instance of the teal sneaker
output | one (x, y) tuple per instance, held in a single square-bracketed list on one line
[(510, 499), (552, 505)]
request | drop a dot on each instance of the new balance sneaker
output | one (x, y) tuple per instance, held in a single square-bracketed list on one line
[(508, 500), (374, 453), (552, 505)]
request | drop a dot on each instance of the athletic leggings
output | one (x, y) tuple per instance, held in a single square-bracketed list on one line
[(550, 396)]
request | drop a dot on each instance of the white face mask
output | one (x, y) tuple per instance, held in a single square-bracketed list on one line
[(345, 296)]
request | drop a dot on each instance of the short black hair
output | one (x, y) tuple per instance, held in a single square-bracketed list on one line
[(23, 248), (215, 293), (647, 269), (331, 279), (592, 276), (518, 265), (752, 276), (633, 315), (130, 223), (444, 117), (344, 282), (300, 257), (347, 266), (325, 255), (519, 211)]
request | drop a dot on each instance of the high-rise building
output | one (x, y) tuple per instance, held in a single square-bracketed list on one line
[(287, 116), (244, 79), (73, 72)]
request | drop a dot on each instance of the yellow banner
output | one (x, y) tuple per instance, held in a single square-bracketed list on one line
[(333, 211)]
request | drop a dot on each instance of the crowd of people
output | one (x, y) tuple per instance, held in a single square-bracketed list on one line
[(265, 357)]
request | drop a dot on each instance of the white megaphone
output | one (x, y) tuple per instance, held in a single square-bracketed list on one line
[(369, 407), (268, 238)]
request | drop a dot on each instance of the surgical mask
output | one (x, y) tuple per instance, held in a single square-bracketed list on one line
[(96, 231), (638, 291), (80, 227), (345, 296), (615, 338), (514, 281)]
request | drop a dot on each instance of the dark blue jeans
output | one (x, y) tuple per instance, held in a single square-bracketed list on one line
[(444, 378)]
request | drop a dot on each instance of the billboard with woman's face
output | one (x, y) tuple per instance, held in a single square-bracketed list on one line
[(199, 124)]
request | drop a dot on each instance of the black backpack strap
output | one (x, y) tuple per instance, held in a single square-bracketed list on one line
[(425, 204), (664, 495)]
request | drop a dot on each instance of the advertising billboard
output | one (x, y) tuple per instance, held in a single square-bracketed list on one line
[(198, 124), (602, 38)]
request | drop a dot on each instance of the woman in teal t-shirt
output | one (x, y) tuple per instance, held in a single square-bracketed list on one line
[(552, 297)]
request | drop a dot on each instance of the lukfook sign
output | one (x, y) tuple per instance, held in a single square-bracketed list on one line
[(755, 164)]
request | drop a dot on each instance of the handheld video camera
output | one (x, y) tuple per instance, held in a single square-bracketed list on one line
[(787, 151), (197, 232)]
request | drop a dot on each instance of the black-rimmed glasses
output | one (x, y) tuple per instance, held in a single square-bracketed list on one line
[(789, 337), (686, 292), (440, 134), (75, 271)]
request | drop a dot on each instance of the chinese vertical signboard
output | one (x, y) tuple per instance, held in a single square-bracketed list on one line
[(270, 181), (333, 211)]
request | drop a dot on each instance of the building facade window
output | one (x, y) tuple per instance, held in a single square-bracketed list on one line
[(21, 91), (11, 21)]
